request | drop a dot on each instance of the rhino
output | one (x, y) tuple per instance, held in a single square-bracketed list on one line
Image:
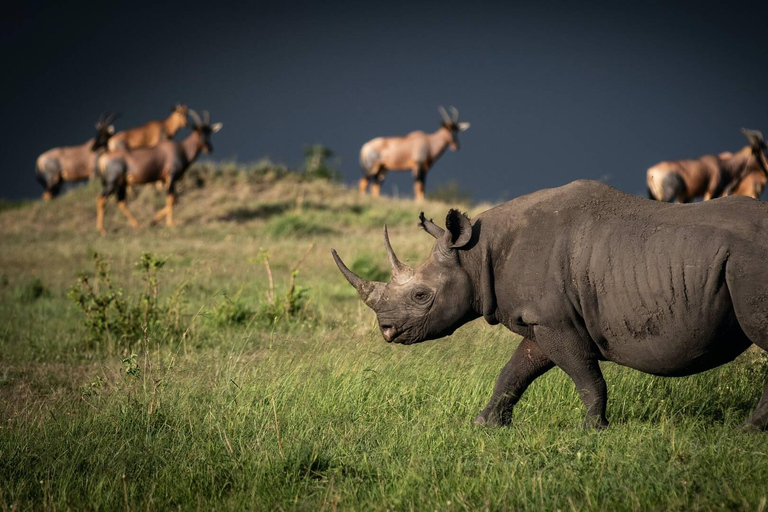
[(586, 273)]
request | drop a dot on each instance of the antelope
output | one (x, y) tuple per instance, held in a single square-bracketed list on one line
[(73, 163), (707, 177), (417, 152), (151, 133), (166, 162), (753, 178)]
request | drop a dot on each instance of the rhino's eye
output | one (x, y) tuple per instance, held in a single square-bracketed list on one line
[(422, 296)]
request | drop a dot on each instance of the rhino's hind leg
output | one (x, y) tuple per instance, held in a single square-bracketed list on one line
[(575, 357), (747, 279), (526, 364)]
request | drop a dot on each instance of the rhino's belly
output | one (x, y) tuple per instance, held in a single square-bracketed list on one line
[(675, 344)]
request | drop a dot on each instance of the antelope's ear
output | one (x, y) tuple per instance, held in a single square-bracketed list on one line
[(216, 127), (463, 127), (458, 230), (111, 129)]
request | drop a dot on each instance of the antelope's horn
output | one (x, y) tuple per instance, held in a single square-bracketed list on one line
[(454, 114), (401, 273), (369, 291), (206, 118), (195, 118), (446, 117)]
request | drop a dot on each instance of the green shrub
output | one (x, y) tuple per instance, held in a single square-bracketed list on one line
[(32, 290), (231, 311), (316, 165), (365, 266), (451, 193), (111, 318), (295, 225)]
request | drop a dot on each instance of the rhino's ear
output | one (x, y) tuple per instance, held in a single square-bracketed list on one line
[(458, 230)]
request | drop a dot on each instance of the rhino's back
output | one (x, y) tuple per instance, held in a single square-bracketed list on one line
[(646, 278)]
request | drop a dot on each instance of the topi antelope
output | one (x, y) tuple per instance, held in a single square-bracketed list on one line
[(708, 176), (752, 179), (73, 163), (151, 133), (165, 162), (417, 152)]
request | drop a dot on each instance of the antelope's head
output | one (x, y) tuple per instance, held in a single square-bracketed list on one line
[(179, 115), (104, 130), (452, 124), (204, 128), (427, 302)]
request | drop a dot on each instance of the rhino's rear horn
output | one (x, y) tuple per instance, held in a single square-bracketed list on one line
[(401, 273), (370, 291)]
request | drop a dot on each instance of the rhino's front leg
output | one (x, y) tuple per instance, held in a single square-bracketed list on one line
[(525, 365), (577, 358)]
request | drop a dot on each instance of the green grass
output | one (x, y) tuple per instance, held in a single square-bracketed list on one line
[(315, 411)]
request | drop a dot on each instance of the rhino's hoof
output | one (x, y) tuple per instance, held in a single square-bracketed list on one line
[(595, 424), (480, 420), (750, 428)]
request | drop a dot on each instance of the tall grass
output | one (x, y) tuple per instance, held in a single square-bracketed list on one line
[(316, 411)]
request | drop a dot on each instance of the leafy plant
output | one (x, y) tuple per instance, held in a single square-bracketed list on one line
[(316, 166), (111, 317), (32, 290), (451, 193), (292, 224), (365, 266)]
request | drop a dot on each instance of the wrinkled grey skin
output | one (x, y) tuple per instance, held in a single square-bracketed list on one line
[(586, 273)]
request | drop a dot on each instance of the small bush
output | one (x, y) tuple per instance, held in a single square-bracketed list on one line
[(365, 266), (231, 312), (315, 164), (32, 290), (451, 193), (111, 317)]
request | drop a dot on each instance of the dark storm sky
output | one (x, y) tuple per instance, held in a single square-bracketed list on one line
[(554, 91)]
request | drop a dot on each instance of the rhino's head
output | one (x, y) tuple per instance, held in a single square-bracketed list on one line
[(424, 303)]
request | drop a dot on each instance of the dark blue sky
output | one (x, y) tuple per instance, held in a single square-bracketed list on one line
[(554, 91)]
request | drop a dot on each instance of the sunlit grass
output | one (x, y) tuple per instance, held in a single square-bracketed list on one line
[(317, 412)]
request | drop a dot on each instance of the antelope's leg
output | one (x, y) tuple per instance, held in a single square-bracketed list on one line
[(378, 179), (526, 364), (419, 176), (123, 207), (159, 215), (128, 215), (362, 185), (100, 202), (170, 200)]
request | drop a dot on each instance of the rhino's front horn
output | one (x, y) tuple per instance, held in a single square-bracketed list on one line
[(370, 291), (401, 273)]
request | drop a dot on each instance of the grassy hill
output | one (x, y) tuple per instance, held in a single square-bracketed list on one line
[(189, 381)]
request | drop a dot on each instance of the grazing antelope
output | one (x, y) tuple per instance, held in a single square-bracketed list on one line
[(165, 162), (73, 163), (753, 178), (417, 152), (151, 133), (706, 177)]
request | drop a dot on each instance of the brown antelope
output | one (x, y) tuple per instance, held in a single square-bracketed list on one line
[(707, 177), (753, 178), (151, 133), (165, 162), (417, 152), (73, 163)]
